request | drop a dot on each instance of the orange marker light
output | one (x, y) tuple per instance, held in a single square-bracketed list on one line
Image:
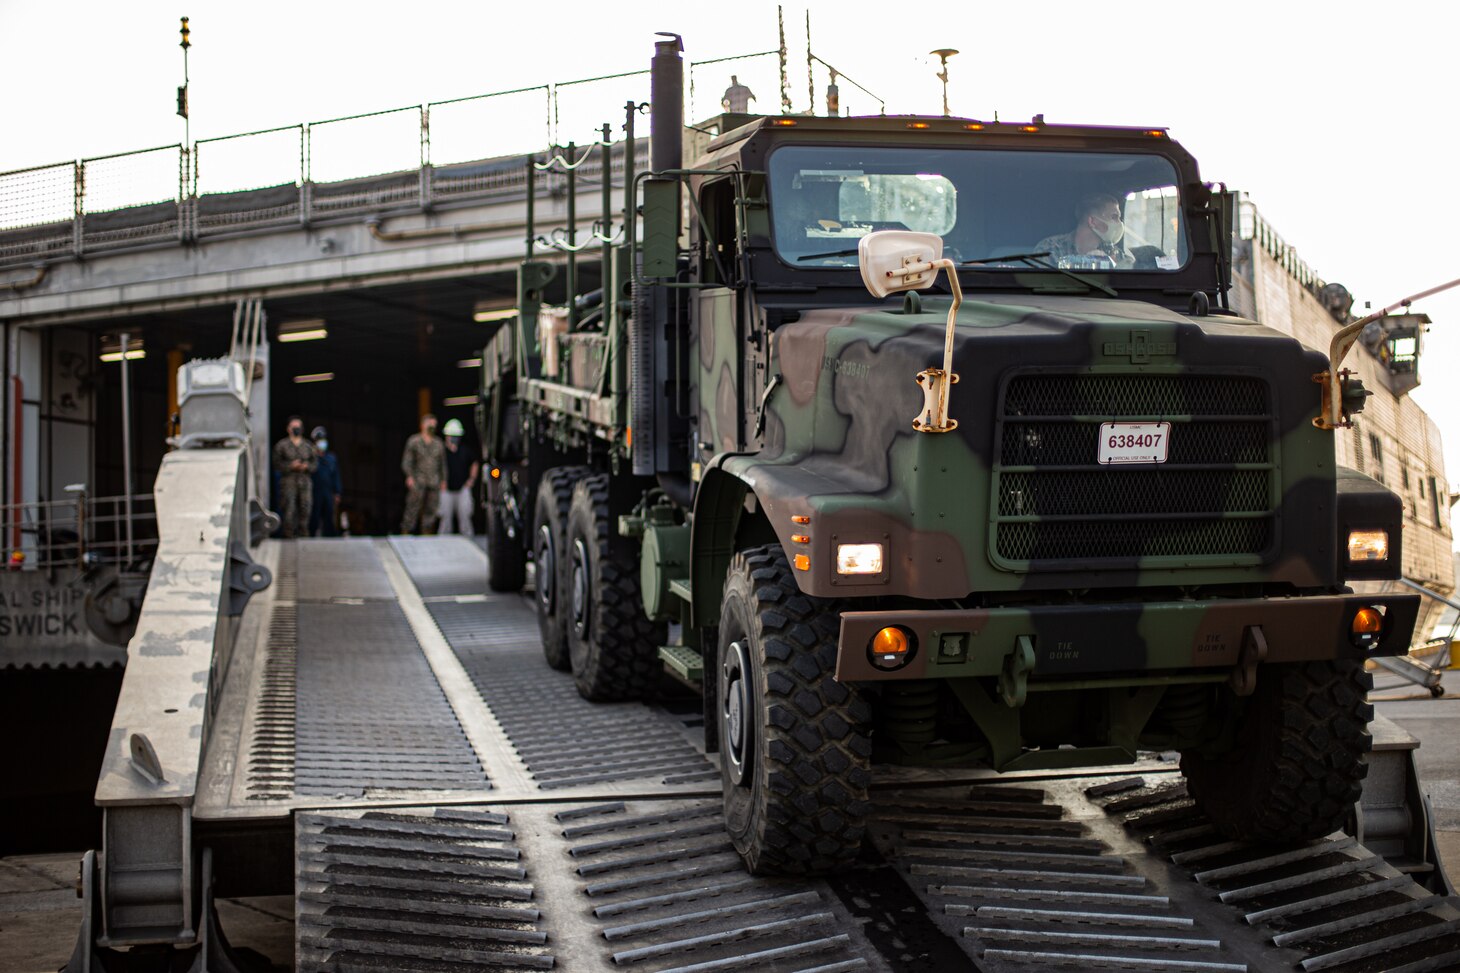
[(803, 563), (800, 538), (783, 122), (628, 436), (1028, 128), (1368, 621), (496, 473), (974, 126), (1156, 133), (890, 641), (800, 519), (917, 124)]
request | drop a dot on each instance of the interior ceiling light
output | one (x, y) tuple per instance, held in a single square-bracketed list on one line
[(316, 377), (487, 311), (111, 350), (460, 400), (311, 330), (469, 363)]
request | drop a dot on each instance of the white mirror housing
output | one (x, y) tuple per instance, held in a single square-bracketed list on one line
[(883, 256)]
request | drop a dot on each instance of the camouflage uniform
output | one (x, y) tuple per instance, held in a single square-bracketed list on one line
[(1063, 245), (296, 493), (425, 463)]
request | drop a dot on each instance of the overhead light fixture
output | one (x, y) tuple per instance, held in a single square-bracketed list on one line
[(487, 311), (111, 350), (460, 400), (469, 363), (316, 377), (310, 330)]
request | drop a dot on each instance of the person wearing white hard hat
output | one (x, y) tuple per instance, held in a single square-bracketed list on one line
[(462, 467)]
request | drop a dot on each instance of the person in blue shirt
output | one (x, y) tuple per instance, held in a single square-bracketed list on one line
[(327, 487)]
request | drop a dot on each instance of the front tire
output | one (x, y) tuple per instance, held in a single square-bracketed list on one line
[(1298, 763), (795, 754), (612, 644), (549, 533)]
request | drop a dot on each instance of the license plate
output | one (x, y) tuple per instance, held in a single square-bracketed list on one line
[(1133, 442)]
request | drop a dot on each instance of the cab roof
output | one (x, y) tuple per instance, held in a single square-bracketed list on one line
[(747, 125)]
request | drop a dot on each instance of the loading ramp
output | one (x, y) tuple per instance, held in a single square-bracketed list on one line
[(387, 743)]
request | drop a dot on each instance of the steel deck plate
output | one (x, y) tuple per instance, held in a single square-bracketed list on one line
[(340, 567), (449, 565)]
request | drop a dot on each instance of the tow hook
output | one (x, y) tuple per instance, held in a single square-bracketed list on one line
[(1014, 679), (1253, 653)]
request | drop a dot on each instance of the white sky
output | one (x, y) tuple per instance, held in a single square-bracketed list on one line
[(1338, 118)]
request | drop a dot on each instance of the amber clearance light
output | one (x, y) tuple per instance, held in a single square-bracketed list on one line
[(891, 648), (1367, 627)]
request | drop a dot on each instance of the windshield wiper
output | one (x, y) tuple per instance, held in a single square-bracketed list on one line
[(1025, 257), (832, 253), (1036, 260)]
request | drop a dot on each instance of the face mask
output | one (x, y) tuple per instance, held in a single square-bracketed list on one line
[(296, 431), (323, 444), (431, 430), (1114, 230)]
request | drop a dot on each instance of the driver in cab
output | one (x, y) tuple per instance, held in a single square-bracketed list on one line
[(1096, 238)]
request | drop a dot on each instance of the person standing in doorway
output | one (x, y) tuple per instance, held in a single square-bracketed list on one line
[(424, 464), (462, 467), (295, 461), (327, 487)]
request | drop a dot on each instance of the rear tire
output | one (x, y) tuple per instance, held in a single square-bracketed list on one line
[(549, 537), (613, 646), (506, 558), (1298, 764), (795, 754)]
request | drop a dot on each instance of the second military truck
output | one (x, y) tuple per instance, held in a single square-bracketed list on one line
[(932, 441)]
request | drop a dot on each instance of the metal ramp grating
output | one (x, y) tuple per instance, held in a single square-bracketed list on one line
[(668, 895), (331, 568), (1030, 888), (442, 566), (437, 889), (271, 748), (564, 740), (1337, 904), (372, 716)]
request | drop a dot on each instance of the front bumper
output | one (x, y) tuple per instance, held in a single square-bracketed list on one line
[(1085, 640)]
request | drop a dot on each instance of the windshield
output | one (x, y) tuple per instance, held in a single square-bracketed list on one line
[(1088, 210)]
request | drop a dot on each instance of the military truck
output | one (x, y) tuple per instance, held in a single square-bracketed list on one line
[(933, 441)]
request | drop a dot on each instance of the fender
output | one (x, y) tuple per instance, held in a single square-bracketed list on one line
[(925, 564)]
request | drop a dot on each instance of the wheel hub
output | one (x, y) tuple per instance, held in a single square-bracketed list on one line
[(735, 714), (580, 595), (547, 572)]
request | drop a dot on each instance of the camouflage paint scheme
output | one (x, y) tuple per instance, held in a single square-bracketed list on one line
[(801, 400), (834, 442), (839, 448)]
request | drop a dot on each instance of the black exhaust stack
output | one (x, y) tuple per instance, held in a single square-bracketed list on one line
[(660, 433), (666, 104)]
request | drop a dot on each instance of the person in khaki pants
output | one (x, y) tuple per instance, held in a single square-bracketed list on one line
[(462, 467)]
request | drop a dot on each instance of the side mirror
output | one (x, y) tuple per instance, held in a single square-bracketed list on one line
[(883, 254)]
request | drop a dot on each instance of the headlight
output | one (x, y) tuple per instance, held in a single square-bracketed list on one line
[(1368, 545), (859, 559)]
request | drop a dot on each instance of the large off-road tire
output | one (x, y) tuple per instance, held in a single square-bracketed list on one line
[(613, 645), (549, 540), (1298, 763), (795, 755), (506, 556)]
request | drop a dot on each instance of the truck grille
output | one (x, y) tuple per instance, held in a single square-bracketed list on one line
[(1212, 503)]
